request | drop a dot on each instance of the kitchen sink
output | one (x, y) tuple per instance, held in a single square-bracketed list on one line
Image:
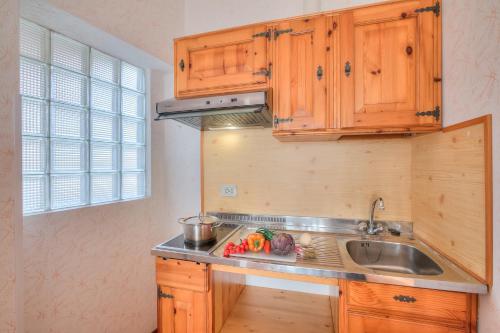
[(392, 257)]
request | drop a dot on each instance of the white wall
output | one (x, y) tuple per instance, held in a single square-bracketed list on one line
[(203, 16), (149, 25), (471, 69)]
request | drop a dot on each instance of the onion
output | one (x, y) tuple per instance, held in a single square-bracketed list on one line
[(305, 239)]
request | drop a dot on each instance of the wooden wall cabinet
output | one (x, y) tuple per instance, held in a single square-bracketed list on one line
[(222, 62), (184, 296), (373, 69), (376, 308), (390, 66), (300, 93)]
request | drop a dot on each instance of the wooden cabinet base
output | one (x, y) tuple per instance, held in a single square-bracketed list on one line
[(183, 311), (184, 296), (378, 308)]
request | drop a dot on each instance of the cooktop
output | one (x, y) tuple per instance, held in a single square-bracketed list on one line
[(178, 243)]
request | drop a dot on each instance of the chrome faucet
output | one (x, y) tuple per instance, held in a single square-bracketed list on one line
[(373, 229)]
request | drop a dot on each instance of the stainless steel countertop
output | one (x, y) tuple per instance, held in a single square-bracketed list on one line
[(337, 263)]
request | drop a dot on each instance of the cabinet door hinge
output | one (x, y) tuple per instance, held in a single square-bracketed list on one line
[(264, 72), (161, 294), (436, 113), (266, 34), (436, 9), (278, 121), (277, 33)]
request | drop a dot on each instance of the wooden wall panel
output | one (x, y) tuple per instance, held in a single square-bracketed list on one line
[(450, 194), (336, 179)]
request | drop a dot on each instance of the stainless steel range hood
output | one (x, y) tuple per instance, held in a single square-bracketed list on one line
[(219, 112)]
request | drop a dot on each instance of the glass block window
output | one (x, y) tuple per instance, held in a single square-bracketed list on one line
[(83, 123)]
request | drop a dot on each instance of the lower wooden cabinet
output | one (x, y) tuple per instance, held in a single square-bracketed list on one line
[(184, 296), (379, 308), (199, 298), (182, 311)]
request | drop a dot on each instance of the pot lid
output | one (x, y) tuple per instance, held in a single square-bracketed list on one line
[(199, 219)]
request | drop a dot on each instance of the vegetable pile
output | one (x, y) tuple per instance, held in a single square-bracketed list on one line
[(265, 240)]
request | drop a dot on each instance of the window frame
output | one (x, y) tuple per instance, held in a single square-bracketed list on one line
[(48, 137)]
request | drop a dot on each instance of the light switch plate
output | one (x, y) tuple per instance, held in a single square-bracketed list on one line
[(228, 190)]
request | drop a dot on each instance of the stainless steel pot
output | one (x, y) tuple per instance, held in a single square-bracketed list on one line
[(200, 229)]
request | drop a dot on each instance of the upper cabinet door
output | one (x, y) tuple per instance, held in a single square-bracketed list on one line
[(300, 77), (222, 62), (391, 66)]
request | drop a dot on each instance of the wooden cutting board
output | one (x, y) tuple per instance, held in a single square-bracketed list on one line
[(261, 255)]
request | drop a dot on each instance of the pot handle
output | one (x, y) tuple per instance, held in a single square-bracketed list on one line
[(182, 220), (217, 224)]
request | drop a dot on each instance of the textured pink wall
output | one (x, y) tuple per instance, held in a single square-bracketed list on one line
[(471, 88), (10, 209), (89, 269)]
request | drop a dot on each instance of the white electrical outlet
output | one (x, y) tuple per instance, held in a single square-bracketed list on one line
[(228, 190)]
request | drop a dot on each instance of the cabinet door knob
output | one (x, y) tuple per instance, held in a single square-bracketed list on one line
[(319, 72), (347, 69), (182, 65), (409, 50)]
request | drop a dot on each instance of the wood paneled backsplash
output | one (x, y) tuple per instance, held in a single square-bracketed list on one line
[(334, 179), (451, 205), (440, 181)]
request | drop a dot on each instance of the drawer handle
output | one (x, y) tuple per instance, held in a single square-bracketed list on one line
[(404, 299)]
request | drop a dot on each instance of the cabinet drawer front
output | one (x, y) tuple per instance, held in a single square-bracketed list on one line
[(182, 274), (368, 324), (413, 301)]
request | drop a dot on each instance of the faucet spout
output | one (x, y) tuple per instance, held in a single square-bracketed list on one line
[(372, 229)]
